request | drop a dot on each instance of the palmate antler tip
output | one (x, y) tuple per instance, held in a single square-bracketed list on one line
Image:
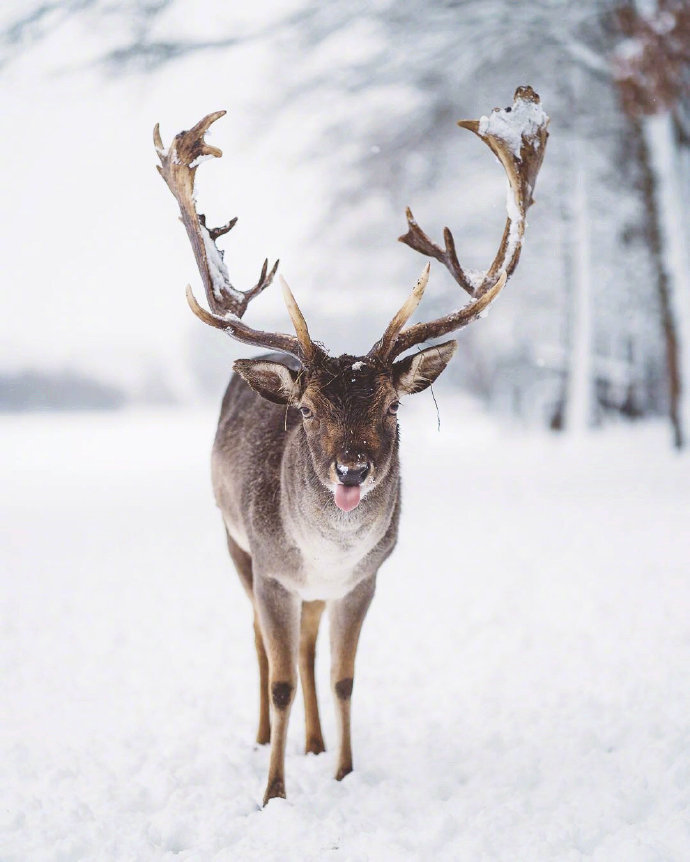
[(297, 318), (489, 295), (207, 317), (386, 344), (285, 288), (411, 224), (157, 140), (192, 303), (417, 291), (423, 280), (206, 122), (526, 91)]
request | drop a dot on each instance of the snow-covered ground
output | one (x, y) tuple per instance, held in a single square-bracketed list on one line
[(523, 686)]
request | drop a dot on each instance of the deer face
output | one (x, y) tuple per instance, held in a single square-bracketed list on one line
[(348, 413), (348, 407)]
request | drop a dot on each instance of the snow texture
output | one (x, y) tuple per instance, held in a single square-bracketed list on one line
[(523, 680), (516, 232), (199, 160), (217, 268), (521, 121), (476, 276)]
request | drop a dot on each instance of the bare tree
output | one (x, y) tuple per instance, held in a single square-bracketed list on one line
[(652, 69)]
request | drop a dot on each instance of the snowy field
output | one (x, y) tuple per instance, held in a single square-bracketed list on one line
[(523, 686)]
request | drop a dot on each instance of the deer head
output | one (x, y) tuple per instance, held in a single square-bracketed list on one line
[(348, 404)]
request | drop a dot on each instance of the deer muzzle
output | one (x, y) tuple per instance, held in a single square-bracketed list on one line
[(348, 491)]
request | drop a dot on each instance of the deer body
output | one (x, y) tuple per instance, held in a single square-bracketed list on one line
[(295, 548), (305, 460)]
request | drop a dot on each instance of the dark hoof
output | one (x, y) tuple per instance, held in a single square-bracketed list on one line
[(315, 745), (275, 790), (342, 772), (263, 738)]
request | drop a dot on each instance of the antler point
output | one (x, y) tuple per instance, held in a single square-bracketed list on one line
[(191, 300)]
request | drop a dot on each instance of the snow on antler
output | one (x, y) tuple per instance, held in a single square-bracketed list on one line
[(517, 136), (521, 122)]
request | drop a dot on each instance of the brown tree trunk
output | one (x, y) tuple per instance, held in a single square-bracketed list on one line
[(655, 244)]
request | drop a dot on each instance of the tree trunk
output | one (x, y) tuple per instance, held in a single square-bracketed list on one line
[(664, 157), (664, 228), (578, 410)]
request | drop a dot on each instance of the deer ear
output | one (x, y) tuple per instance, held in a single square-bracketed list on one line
[(272, 380), (419, 370)]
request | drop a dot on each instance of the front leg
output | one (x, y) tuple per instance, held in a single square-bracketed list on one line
[(279, 617), (346, 618), (311, 617)]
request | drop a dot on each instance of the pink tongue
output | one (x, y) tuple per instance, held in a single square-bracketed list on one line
[(347, 497)]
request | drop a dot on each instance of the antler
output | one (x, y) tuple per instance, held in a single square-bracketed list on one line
[(517, 135), (178, 168)]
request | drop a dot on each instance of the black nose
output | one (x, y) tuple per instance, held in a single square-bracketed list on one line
[(352, 475)]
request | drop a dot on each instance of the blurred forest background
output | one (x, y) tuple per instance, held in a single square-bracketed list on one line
[(340, 115)]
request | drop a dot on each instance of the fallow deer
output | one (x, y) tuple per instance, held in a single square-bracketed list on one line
[(305, 460)]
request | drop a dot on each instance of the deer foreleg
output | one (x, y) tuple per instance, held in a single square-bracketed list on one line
[(311, 617), (243, 564), (279, 618), (346, 618), (263, 734)]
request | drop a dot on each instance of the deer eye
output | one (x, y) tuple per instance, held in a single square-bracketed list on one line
[(306, 412), (394, 407)]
